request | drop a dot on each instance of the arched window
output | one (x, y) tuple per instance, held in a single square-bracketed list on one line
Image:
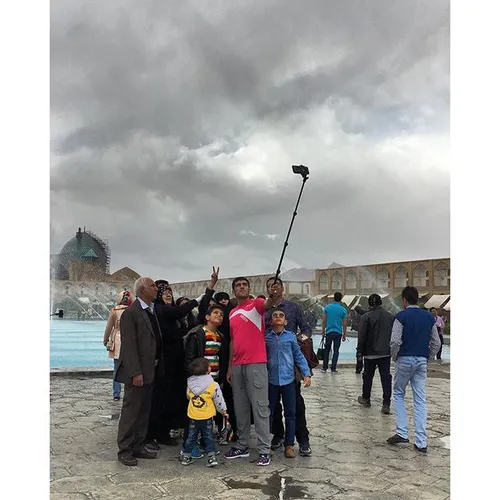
[(323, 282), (307, 289), (400, 277), (382, 279), (442, 275), (67, 289), (112, 290), (258, 286), (336, 281), (351, 281), (420, 275), (366, 279), (96, 289)]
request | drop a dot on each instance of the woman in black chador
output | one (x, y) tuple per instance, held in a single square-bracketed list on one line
[(169, 402)]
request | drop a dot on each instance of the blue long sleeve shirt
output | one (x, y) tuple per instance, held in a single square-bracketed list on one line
[(283, 353)]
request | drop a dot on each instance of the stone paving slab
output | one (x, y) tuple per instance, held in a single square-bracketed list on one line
[(350, 457)]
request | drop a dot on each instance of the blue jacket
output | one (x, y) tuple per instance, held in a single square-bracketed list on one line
[(283, 353)]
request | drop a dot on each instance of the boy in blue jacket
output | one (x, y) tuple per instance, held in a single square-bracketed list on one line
[(283, 354)]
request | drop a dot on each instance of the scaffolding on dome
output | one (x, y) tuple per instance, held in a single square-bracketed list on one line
[(104, 245)]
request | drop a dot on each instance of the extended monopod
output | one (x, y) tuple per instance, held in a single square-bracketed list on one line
[(304, 172)]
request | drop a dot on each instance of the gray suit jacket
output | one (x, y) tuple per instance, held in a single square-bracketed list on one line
[(138, 348)]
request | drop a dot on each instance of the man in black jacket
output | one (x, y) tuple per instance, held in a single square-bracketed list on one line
[(374, 338)]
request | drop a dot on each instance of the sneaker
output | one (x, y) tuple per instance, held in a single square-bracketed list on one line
[(323, 370), (116, 398), (289, 452), (386, 409), (364, 402), (276, 444), (397, 439), (212, 461), (263, 460), (186, 460), (237, 453), (420, 450), (334, 371), (305, 451)]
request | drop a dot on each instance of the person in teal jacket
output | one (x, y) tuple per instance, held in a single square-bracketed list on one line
[(283, 354)]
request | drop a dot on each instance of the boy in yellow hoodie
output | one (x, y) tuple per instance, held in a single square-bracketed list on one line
[(205, 399)]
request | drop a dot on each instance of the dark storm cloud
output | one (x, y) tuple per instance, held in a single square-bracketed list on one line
[(174, 127)]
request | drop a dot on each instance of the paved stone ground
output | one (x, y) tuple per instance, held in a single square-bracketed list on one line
[(350, 457)]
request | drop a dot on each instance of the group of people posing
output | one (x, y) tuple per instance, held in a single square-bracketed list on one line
[(242, 361), (235, 363), (410, 338)]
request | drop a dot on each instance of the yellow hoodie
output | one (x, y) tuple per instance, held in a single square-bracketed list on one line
[(205, 397)]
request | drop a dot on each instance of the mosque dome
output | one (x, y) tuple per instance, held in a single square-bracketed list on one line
[(85, 246)]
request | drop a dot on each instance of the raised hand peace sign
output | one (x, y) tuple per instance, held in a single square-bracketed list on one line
[(214, 278)]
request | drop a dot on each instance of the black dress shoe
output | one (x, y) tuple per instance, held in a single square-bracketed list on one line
[(144, 453), (364, 402), (397, 439), (420, 450), (152, 446), (129, 460)]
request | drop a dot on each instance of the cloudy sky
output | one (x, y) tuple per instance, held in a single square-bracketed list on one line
[(174, 126)]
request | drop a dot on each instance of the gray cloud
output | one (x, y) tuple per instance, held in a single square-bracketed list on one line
[(174, 128)]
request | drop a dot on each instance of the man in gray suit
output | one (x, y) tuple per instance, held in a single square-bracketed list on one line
[(140, 358)]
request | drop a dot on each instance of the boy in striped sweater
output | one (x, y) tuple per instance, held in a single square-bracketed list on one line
[(205, 341)]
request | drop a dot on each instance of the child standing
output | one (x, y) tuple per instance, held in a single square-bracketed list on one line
[(205, 399), (283, 353)]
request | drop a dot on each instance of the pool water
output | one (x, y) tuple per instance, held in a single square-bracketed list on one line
[(80, 344)]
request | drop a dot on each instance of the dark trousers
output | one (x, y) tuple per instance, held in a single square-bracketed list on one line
[(133, 424), (287, 392), (384, 369), (335, 339), (441, 338), (301, 432), (227, 392), (203, 427)]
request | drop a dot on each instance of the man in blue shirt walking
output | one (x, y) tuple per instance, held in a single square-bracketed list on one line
[(414, 340), (334, 329), (283, 354)]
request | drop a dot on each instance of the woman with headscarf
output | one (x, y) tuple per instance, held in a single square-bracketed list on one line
[(112, 339), (169, 403)]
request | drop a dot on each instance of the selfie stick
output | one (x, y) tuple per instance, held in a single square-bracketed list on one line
[(304, 172)]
